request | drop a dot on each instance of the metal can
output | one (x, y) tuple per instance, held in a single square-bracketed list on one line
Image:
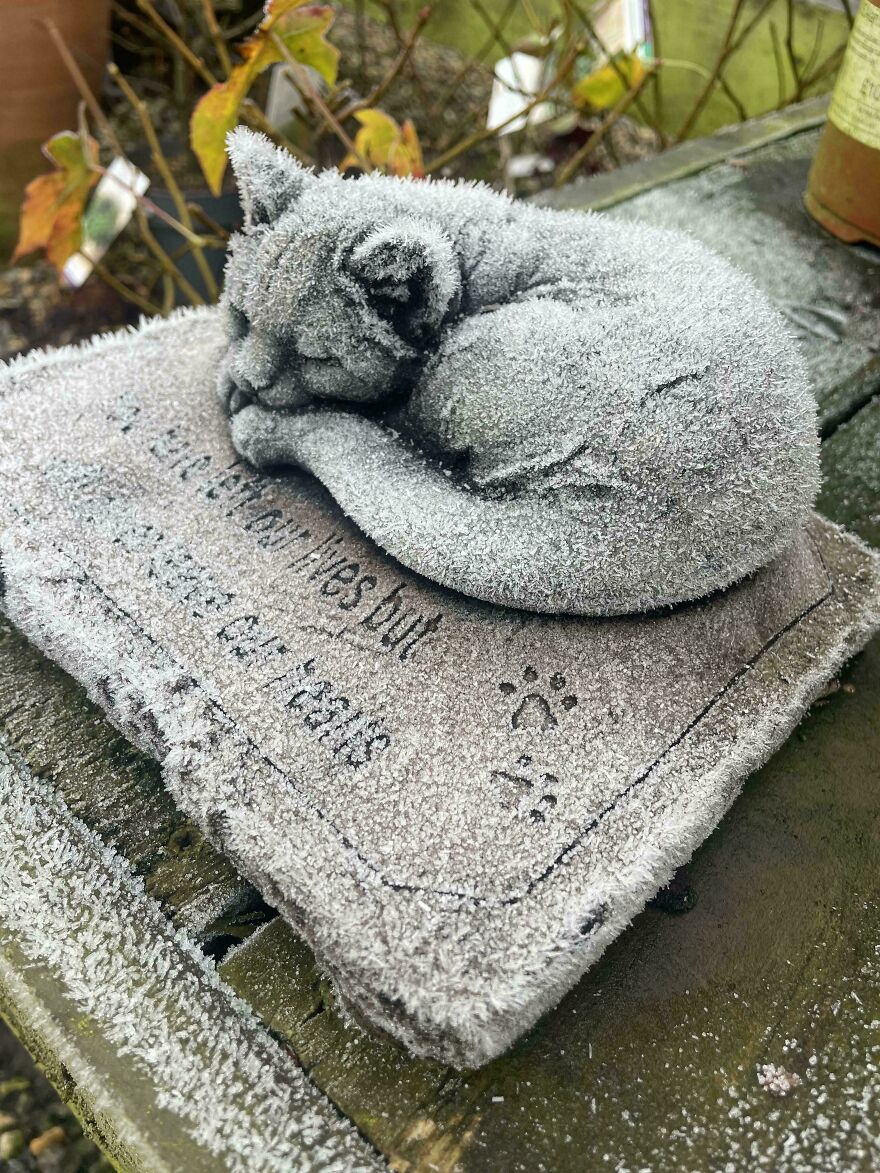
[(843, 191)]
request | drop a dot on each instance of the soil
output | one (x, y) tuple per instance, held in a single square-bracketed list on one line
[(35, 311)]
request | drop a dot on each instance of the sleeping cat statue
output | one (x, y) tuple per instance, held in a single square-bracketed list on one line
[(549, 410)]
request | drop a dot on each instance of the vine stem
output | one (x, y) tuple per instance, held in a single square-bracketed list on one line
[(728, 46), (173, 38), (125, 292), (304, 85), (216, 36), (197, 242), (480, 136), (382, 87)]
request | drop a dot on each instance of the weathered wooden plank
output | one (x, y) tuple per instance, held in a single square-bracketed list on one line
[(46, 716), (369, 1078), (610, 188), (653, 1059)]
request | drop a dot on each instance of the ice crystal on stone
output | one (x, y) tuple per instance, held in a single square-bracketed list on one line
[(459, 806)]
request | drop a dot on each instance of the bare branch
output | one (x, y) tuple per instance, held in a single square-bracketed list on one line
[(303, 83), (162, 166), (382, 87), (593, 33), (729, 45), (216, 36), (480, 136), (390, 9), (82, 86), (780, 65), (101, 118), (469, 64), (177, 43), (127, 292)]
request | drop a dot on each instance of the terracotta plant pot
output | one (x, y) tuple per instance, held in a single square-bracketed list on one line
[(37, 97), (843, 193)]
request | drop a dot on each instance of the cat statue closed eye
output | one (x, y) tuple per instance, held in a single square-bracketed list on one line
[(550, 410)]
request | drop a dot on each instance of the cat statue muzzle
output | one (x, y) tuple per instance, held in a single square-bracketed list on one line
[(557, 411)]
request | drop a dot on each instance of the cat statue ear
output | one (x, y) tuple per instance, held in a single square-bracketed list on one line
[(411, 275), (269, 179)]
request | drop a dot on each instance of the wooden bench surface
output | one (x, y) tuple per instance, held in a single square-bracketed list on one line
[(653, 1060)]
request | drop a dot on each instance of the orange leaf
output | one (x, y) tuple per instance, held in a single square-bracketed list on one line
[(52, 209), (302, 31), (383, 144)]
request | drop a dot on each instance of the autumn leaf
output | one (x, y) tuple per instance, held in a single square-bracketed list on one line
[(605, 86), (52, 209), (383, 144), (301, 29)]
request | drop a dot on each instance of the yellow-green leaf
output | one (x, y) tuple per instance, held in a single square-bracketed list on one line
[(383, 144), (301, 28), (605, 86), (53, 205)]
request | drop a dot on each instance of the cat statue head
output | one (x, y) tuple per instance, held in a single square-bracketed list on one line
[(326, 299)]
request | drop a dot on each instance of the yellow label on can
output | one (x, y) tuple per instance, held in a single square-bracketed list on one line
[(855, 105)]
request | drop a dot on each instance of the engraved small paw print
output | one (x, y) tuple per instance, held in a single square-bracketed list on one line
[(535, 710), (529, 790)]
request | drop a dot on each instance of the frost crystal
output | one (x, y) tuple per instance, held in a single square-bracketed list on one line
[(776, 1080)]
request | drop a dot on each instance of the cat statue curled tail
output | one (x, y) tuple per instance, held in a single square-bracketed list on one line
[(557, 411)]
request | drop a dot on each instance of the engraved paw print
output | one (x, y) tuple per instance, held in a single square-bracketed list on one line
[(531, 791), (535, 710)]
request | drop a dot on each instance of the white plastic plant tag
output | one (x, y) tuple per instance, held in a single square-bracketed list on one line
[(518, 80), (111, 207), (623, 25)]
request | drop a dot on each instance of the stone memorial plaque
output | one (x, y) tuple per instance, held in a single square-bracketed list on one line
[(459, 805)]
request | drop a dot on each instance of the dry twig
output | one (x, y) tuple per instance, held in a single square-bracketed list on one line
[(303, 83), (729, 46), (381, 88), (85, 92)]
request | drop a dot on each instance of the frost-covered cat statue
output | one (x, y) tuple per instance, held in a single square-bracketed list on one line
[(549, 410)]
